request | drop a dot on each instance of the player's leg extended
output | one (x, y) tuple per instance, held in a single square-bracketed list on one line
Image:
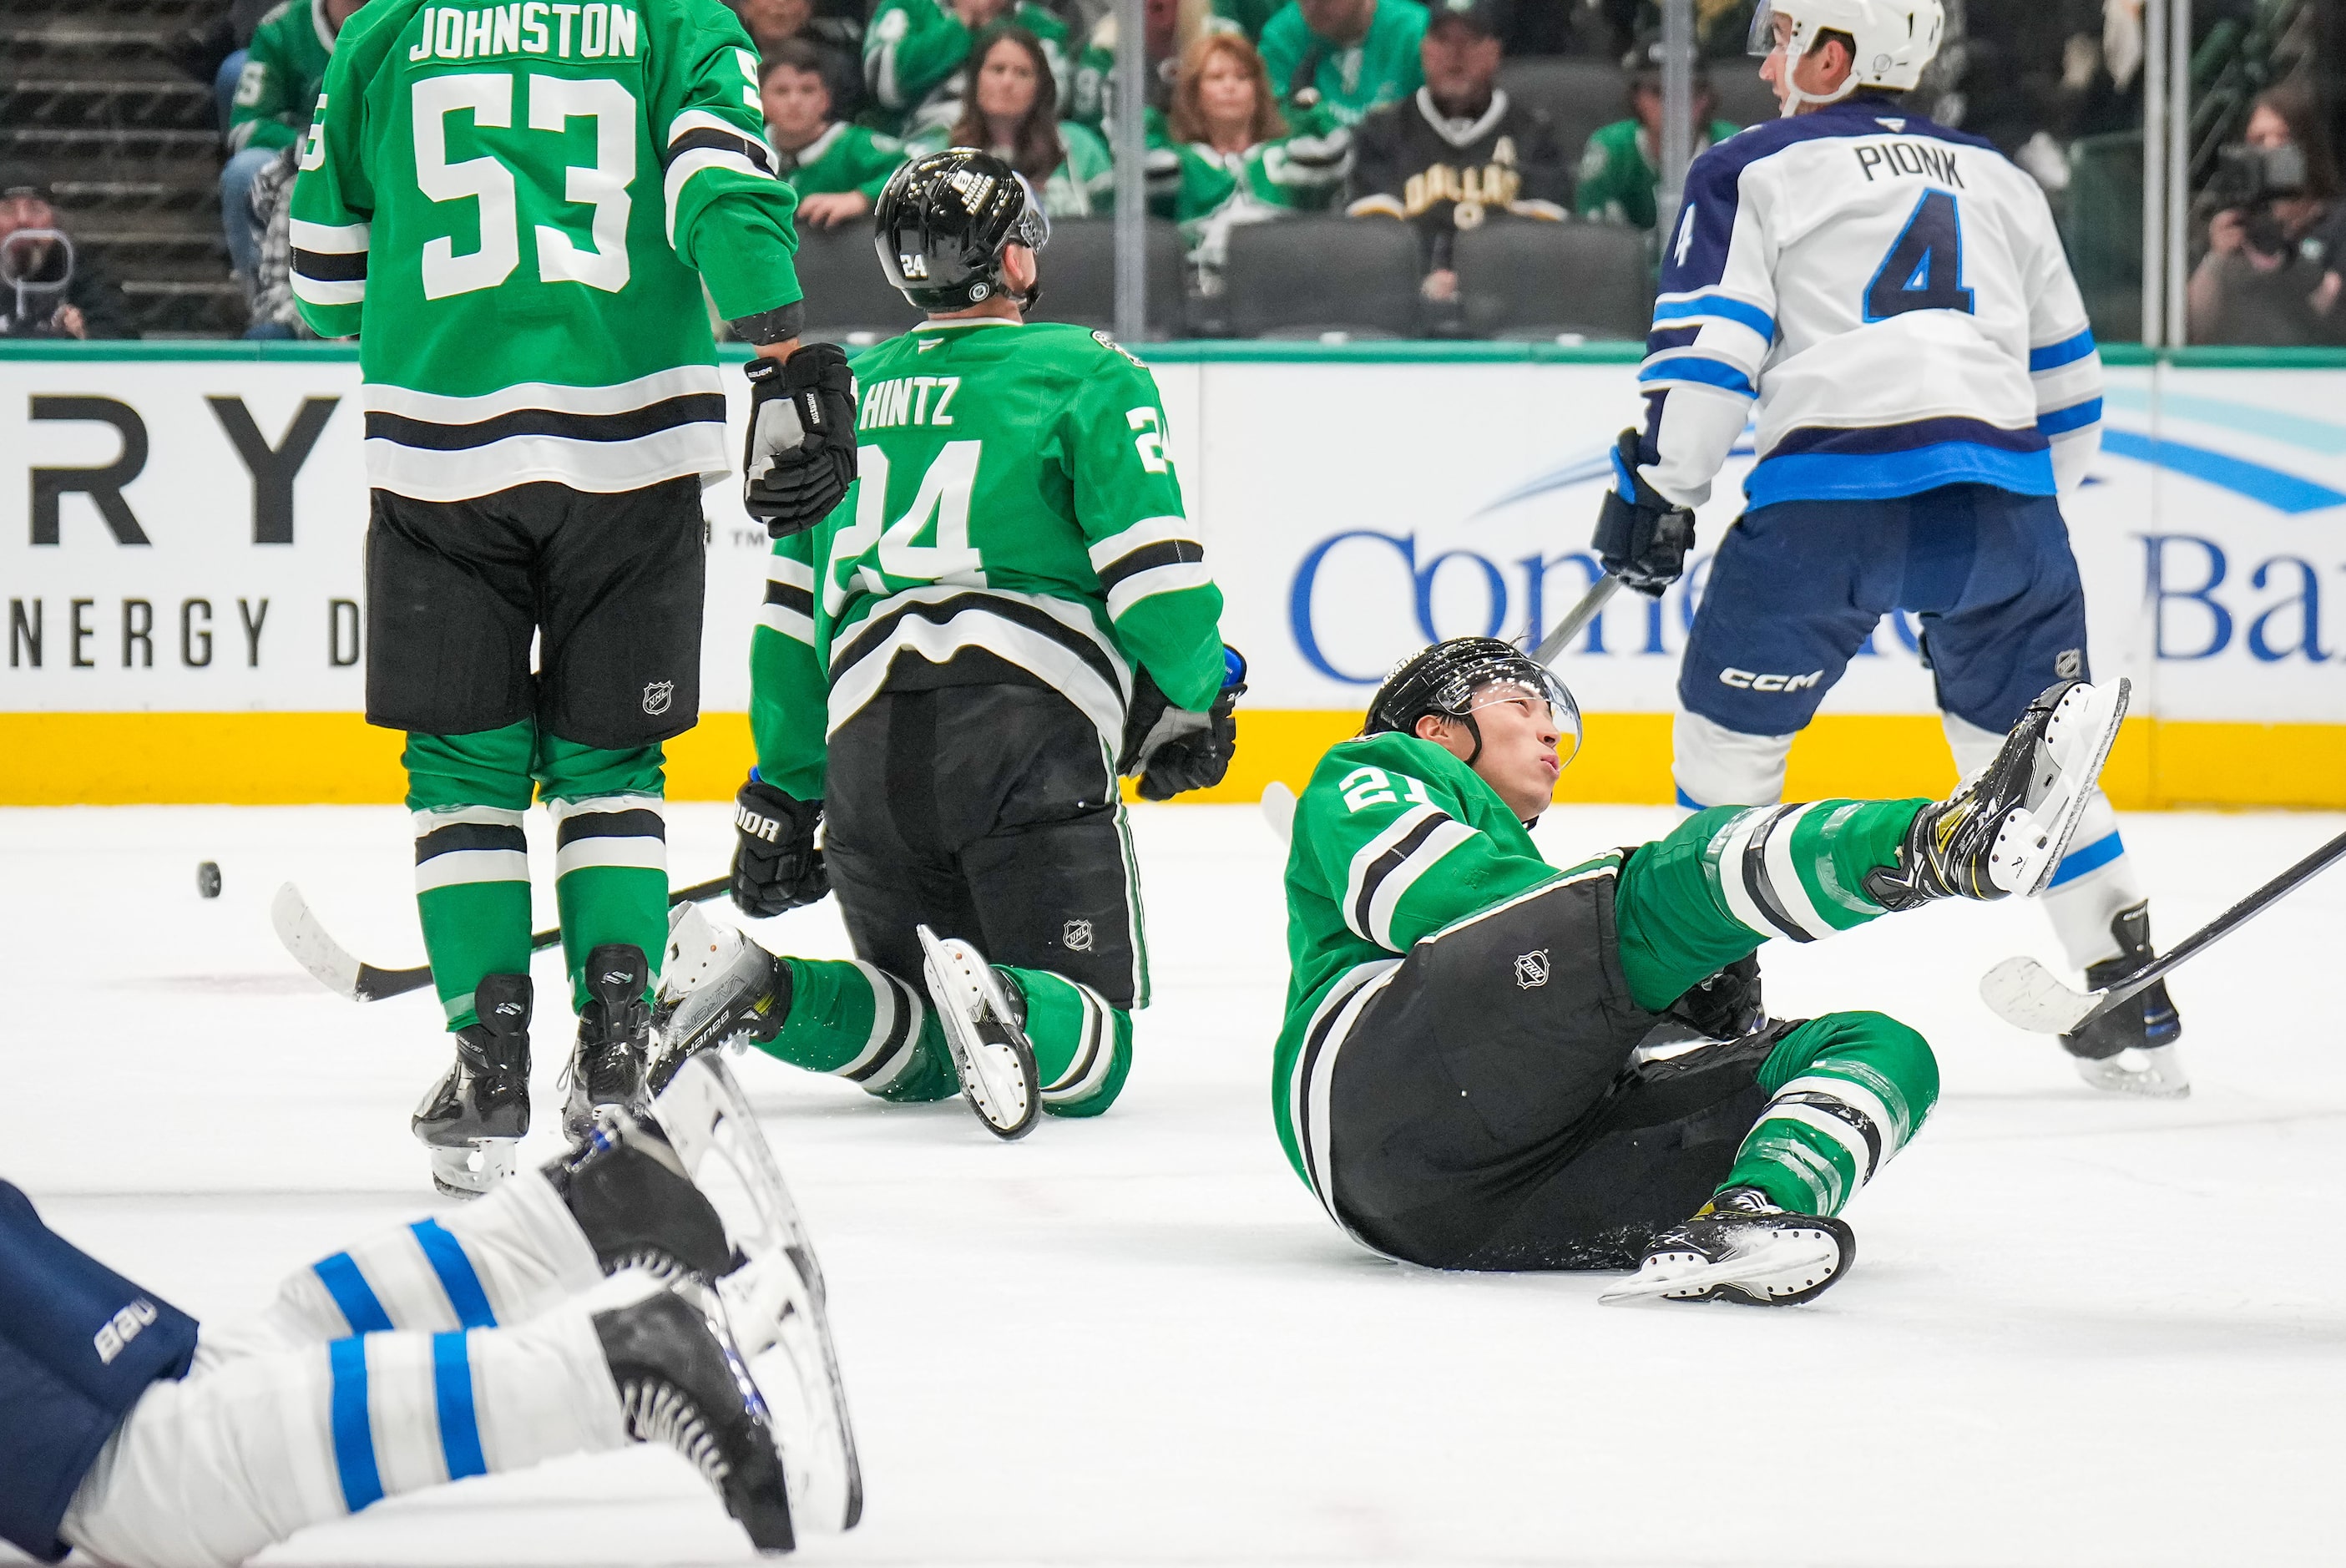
[(1792, 594), (2022, 624)]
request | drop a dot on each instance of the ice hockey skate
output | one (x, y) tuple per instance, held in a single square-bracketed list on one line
[(615, 1027), (476, 1113), (635, 1202), (2131, 1050), (716, 988), (683, 1382), (2005, 827), (986, 1035), (1741, 1247)]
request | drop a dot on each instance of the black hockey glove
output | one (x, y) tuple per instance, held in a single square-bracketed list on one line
[(1726, 1006), (1175, 749), (800, 456), (1641, 538), (776, 866)]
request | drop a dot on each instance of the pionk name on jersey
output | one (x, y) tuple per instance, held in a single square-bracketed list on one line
[(1926, 159), (534, 27)]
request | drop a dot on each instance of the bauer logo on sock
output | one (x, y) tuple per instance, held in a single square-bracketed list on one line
[(1531, 970), (658, 695), (1076, 936)]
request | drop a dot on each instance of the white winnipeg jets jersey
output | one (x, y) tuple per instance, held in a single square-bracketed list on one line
[(1893, 298)]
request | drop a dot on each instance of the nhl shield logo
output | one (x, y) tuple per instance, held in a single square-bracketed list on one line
[(1076, 936), (2069, 662), (658, 695), (1531, 970)]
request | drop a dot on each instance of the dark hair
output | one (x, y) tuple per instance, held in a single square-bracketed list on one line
[(796, 54), (2299, 112), (1037, 150)]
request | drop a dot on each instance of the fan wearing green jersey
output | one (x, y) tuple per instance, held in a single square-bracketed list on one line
[(515, 209), (1490, 1063), (950, 672), (1350, 58), (838, 169), (916, 55)]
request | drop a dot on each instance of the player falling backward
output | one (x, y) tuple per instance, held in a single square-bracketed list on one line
[(598, 1302), (953, 668), (1473, 1072), (517, 216), (1889, 301)]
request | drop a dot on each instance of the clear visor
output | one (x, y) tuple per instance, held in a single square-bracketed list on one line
[(1762, 42), (1034, 223), (1546, 697)]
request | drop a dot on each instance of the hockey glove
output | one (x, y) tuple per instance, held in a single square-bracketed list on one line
[(800, 456), (1726, 1005), (1641, 537), (776, 865), (1175, 749)]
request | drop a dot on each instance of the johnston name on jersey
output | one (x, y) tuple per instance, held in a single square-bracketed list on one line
[(1015, 519), (1893, 298), (515, 207)]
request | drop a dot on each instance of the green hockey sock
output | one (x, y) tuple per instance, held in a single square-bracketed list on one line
[(865, 1025), (1847, 1091), (1082, 1046), (1726, 879), (611, 851), (469, 794)]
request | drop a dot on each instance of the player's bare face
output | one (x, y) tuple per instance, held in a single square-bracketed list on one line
[(1519, 736), (1006, 84), (797, 105)]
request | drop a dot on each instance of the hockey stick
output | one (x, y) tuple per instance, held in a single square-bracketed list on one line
[(1581, 614), (2023, 992), (332, 965)]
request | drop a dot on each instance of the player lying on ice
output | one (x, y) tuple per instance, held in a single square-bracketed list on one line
[(488, 1339), (1460, 1079), (952, 667)]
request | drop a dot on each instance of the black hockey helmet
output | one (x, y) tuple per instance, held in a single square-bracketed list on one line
[(1456, 677), (941, 224)]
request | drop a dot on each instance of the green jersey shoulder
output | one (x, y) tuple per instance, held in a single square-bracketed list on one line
[(282, 67), (1016, 511)]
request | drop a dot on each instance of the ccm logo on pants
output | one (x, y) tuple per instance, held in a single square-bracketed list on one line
[(1747, 680)]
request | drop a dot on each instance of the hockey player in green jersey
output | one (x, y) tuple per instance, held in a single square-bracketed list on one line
[(916, 55), (951, 670), (516, 211), (1489, 1063)]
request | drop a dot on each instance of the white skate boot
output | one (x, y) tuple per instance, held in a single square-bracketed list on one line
[(986, 1033), (1742, 1248)]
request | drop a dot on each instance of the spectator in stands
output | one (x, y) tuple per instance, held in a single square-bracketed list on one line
[(916, 52), (1241, 160), (1013, 113), (837, 168), (269, 295), (1347, 57), (1620, 169), (1459, 153), (1248, 17), (48, 289), (771, 23), (2267, 277), (1171, 27), (274, 97)]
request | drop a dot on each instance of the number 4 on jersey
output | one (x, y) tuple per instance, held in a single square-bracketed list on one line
[(1924, 271)]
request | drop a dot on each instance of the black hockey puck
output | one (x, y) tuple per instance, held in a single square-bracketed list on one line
[(208, 879)]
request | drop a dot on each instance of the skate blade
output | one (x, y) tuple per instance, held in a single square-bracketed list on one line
[(998, 1077), (1697, 1284), (774, 1321), (2160, 1074), (472, 1171), (2099, 715)]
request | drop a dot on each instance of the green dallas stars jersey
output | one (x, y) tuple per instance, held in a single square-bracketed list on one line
[(283, 68), (843, 158), (1393, 839), (1382, 68), (913, 56), (1016, 513), (515, 207)]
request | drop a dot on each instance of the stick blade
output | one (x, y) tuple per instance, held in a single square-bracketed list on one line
[(1278, 810), (311, 948), (2027, 996)]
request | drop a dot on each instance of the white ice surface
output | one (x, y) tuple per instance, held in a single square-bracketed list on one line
[(2080, 1330)]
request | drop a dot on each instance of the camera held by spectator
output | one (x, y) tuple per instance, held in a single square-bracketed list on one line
[(2269, 275), (45, 289)]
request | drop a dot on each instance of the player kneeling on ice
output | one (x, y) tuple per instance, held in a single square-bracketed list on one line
[(487, 1340), (1008, 610), (1461, 1079)]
